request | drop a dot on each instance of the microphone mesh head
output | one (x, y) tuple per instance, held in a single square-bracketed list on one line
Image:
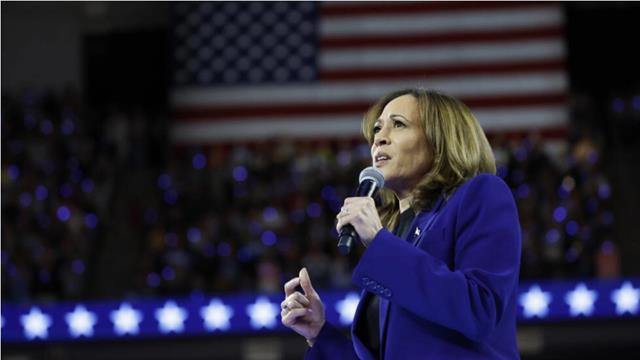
[(374, 174)]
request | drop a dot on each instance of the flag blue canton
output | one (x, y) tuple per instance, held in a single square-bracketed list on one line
[(229, 43)]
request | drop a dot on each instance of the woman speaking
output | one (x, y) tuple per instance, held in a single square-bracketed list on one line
[(441, 265)]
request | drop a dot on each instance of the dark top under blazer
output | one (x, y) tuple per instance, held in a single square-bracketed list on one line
[(448, 293)]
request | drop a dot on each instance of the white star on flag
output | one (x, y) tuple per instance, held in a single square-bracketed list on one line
[(581, 300), (347, 308), (216, 315), (263, 313), (535, 302), (80, 322), (626, 298), (171, 317), (35, 324), (126, 320)]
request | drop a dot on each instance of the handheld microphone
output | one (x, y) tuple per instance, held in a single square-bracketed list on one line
[(371, 179)]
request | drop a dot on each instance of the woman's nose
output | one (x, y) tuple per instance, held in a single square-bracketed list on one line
[(382, 137), (381, 141)]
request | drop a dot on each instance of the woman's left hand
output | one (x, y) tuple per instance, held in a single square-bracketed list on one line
[(362, 214)]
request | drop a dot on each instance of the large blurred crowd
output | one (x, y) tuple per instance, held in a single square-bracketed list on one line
[(242, 216)]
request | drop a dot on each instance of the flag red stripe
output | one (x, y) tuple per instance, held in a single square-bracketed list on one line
[(316, 109), (328, 9), (556, 132), (465, 69), (560, 132), (363, 41)]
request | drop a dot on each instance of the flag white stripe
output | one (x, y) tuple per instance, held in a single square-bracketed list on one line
[(441, 22), (522, 117), (457, 54), (525, 83), (516, 118)]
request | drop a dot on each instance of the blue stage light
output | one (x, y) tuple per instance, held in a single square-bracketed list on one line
[(314, 210), (77, 266), (240, 173), (63, 213), (170, 197), (194, 235), (268, 238), (618, 105), (168, 273), (13, 171), (199, 161), (25, 199), (552, 236), (67, 127), (572, 228), (164, 181), (153, 280), (604, 191), (255, 228), (559, 214), (224, 249), (523, 191), (635, 102), (209, 250), (87, 185), (41, 193), (270, 214), (91, 220)]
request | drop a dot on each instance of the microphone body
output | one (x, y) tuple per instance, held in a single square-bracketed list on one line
[(371, 179)]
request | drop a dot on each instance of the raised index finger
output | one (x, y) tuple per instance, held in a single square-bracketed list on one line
[(291, 285)]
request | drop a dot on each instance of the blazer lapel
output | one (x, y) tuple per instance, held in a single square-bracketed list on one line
[(412, 235)]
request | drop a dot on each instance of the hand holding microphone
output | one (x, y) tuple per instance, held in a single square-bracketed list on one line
[(358, 218)]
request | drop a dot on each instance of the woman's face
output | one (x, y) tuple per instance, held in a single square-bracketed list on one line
[(400, 149)]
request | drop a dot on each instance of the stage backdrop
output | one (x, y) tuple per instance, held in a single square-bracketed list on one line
[(309, 70)]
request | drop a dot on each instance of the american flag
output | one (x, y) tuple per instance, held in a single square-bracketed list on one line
[(255, 70)]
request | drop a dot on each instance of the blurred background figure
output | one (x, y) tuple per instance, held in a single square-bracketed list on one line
[(188, 149)]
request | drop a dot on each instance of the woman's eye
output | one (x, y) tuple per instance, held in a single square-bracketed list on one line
[(398, 124), (376, 129)]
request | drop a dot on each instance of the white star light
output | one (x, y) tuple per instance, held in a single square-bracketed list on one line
[(126, 320), (347, 308), (263, 313), (581, 300), (626, 298), (535, 302), (35, 324), (171, 317), (216, 315), (80, 322)]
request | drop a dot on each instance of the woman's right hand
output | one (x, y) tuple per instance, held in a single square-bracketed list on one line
[(302, 313)]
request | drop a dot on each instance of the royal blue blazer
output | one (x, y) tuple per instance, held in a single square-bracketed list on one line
[(447, 291)]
